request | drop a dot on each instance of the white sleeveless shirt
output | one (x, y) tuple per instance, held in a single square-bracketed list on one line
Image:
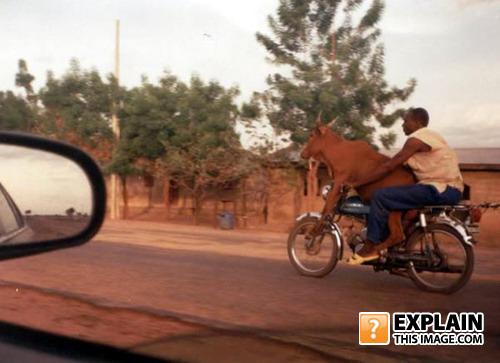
[(438, 167)]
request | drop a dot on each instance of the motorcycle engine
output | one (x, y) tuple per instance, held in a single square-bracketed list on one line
[(353, 231)]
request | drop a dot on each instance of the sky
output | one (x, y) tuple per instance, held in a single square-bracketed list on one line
[(42, 182), (449, 46)]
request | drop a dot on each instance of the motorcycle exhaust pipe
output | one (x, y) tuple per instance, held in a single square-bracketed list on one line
[(405, 258)]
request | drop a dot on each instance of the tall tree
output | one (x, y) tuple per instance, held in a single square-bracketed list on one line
[(18, 113), (24, 79), (333, 62), (121, 164), (77, 108), (203, 151), (146, 120), (15, 112)]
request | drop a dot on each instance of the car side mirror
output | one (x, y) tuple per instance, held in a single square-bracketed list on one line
[(52, 195)]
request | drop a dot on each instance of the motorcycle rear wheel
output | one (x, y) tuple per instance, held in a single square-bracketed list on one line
[(449, 251), (317, 259)]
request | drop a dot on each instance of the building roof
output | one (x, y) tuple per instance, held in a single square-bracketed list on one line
[(469, 158), (478, 155), (472, 158)]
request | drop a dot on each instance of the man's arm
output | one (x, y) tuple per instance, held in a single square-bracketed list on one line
[(411, 147)]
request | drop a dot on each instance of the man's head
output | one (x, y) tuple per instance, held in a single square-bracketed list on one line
[(414, 119)]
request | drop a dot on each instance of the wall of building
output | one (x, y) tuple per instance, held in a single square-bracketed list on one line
[(485, 187), (276, 205)]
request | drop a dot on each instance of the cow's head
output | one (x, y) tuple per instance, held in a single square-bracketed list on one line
[(317, 139)]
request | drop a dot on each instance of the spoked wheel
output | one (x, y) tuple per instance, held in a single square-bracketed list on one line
[(443, 263), (315, 257)]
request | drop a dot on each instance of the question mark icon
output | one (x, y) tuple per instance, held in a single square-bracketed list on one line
[(376, 324)]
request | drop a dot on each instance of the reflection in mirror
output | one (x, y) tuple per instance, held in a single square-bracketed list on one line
[(43, 196)]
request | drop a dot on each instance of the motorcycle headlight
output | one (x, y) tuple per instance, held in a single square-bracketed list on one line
[(325, 190)]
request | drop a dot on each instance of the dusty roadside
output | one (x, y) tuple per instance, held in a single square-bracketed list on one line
[(73, 317), (154, 335)]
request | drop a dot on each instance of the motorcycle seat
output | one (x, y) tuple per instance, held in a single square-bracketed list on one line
[(354, 205)]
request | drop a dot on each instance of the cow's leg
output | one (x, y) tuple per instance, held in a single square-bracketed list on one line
[(381, 222), (332, 199), (396, 233)]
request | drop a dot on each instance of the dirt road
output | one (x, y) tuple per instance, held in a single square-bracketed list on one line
[(205, 295)]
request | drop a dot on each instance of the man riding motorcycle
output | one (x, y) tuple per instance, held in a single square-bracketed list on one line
[(435, 166)]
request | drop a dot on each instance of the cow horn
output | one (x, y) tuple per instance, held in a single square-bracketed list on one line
[(318, 119), (330, 124)]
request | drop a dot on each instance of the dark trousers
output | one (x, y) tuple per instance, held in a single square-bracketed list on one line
[(403, 198)]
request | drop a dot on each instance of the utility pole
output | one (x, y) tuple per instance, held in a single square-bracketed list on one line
[(115, 207)]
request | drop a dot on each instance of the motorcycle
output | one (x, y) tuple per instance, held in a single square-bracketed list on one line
[(437, 254)]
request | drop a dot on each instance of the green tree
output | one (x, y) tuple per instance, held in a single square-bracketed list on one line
[(203, 151), (122, 165), (146, 120), (181, 132), (77, 108), (334, 62), (24, 79), (18, 113), (15, 112)]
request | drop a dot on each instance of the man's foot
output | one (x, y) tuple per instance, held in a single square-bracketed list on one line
[(368, 252)]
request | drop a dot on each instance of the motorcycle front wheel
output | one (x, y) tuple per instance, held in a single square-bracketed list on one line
[(444, 263), (315, 257)]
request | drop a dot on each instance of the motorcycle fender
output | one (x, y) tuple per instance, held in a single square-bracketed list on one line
[(457, 227), (308, 214), (335, 231)]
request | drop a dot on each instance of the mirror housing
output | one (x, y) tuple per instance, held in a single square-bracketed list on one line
[(98, 194)]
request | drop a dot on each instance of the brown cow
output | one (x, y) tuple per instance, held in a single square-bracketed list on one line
[(348, 161)]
